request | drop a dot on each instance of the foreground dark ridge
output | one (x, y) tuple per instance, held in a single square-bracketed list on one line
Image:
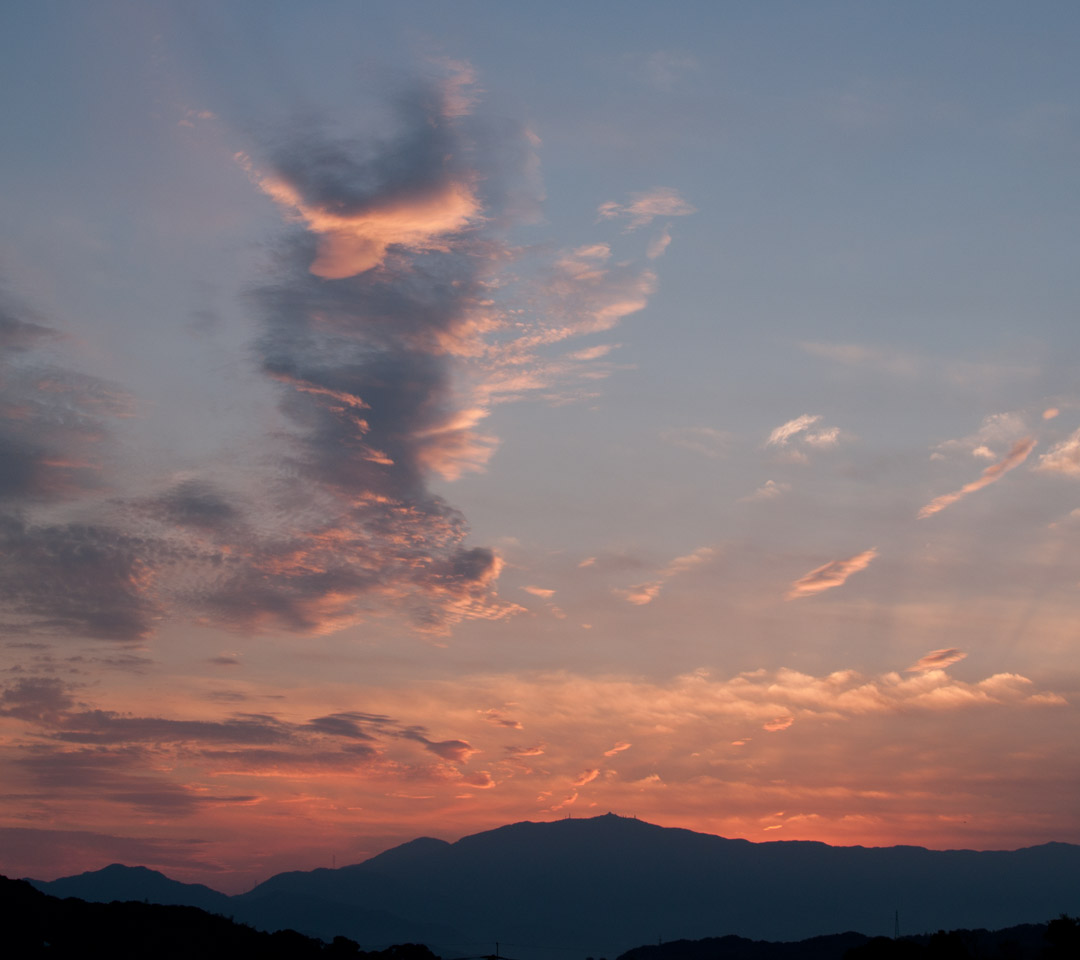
[(600, 886), (37, 925)]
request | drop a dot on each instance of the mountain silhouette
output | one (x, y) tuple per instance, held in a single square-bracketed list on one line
[(599, 886)]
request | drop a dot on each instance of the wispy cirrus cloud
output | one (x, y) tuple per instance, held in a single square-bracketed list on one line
[(646, 206), (830, 575), (793, 436), (1017, 455), (644, 593), (904, 364)]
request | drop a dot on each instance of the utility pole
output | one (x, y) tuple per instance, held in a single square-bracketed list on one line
[(896, 926)]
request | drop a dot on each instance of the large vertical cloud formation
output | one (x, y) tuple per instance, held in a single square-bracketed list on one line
[(373, 298), (387, 330)]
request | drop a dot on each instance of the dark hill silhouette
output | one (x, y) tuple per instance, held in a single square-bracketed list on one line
[(599, 886), (117, 882), (37, 925)]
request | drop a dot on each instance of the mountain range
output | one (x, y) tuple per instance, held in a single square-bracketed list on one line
[(567, 889)]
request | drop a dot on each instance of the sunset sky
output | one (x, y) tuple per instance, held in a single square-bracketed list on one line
[(418, 417)]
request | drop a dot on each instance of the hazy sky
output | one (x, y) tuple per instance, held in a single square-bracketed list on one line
[(417, 417)]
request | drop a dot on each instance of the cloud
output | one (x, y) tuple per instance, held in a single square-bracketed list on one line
[(412, 194), (790, 436), (388, 328), (769, 490), (646, 206), (937, 660), (777, 724), (619, 747), (783, 434), (497, 718), (1017, 455), (997, 433), (912, 366), (77, 578), (658, 245), (544, 593), (830, 575), (643, 593), (1063, 457), (586, 776)]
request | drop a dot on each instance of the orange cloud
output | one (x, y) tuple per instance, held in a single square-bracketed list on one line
[(544, 593), (830, 575), (644, 593), (937, 660), (586, 776), (354, 242), (1016, 456)]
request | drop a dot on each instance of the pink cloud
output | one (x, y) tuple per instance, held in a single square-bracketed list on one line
[(645, 207), (1016, 456), (1063, 457), (830, 575), (937, 660)]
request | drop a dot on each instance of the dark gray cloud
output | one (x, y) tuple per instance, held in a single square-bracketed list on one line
[(196, 504), (17, 331), (76, 578), (40, 699), (106, 727)]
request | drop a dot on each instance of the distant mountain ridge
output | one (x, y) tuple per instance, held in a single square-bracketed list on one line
[(600, 886)]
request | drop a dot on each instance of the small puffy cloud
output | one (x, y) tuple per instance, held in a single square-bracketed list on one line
[(783, 433), (646, 206), (789, 436), (1017, 455), (830, 575), (937, 660), (1063, 457), (1050, 412), (544, 593), (769, 490), (777, 724), (619, 747)]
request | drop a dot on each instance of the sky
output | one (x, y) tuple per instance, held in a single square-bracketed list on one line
[(420, 417)]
